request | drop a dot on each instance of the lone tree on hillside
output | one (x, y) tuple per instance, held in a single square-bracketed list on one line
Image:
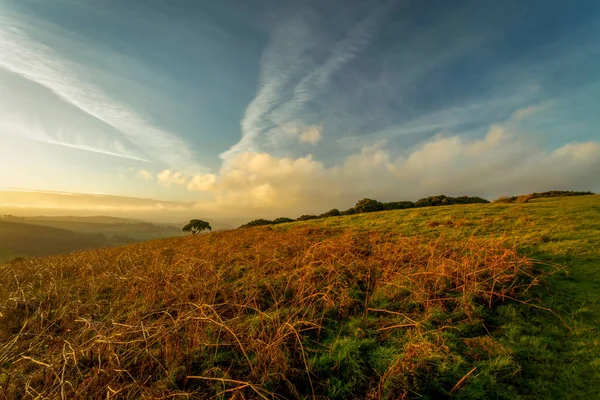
[(196, 226)]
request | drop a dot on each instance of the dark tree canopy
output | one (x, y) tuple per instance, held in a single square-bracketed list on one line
[(442, 200), (368, 205), (196, 226), (282, 220), (306, 217), (334, 212), (261, 222), (350, 211), (258, 222), (398, 205)]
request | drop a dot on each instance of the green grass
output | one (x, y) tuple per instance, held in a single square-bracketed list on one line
[(558, 361)]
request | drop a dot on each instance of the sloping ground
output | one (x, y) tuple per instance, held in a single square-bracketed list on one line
[(424, 303), (557, 361)]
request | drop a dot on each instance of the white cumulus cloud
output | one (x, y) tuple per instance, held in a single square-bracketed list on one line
[(501, 163), (169, 177), (202, 182)]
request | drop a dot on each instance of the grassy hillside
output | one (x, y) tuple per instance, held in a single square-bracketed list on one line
[(477, 301), (557, 361)]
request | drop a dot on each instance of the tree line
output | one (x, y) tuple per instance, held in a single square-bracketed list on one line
[(367, 205)]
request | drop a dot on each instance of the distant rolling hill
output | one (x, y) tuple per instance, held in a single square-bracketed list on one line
[(137, 230), (38, 236), (98, 219), (21, 240)]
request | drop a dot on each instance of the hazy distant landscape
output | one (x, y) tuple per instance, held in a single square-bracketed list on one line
[(40, 236)]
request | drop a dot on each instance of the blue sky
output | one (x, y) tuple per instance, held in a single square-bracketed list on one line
[(265, 107)]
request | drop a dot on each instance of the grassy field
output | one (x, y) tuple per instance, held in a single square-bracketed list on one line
[(470, 302), (557, 360)]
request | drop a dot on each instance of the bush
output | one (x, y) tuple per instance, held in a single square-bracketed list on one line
[(282, 220), (334, 212), (398, 205), (258, 222), (368, 205), (469, 200), (306, 217), (560, 193), (431, 201), (350, 211), (443, 200)]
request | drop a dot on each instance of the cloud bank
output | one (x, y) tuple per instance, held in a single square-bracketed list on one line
[(29, 201), (503, 162)]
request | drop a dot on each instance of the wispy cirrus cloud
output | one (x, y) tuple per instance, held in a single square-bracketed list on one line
[(32, 130), (531, 110), (400, 74), (22, 55), (293, 72)]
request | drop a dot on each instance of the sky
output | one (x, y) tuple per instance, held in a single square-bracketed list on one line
[(266, 108)]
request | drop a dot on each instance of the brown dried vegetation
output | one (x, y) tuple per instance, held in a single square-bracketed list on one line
[(257, 313)]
